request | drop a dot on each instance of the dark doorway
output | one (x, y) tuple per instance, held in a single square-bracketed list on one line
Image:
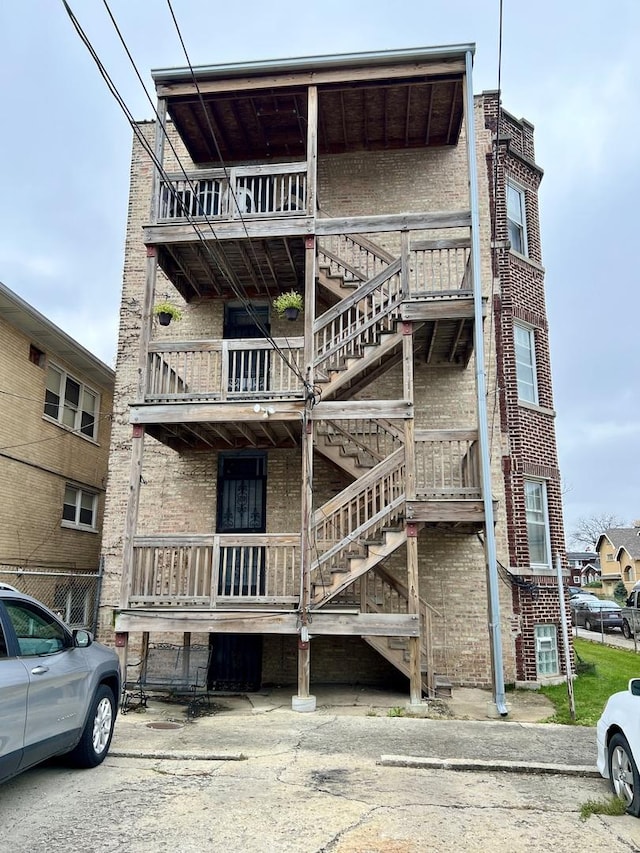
[(235, 662), (248, 368), (242, 481)]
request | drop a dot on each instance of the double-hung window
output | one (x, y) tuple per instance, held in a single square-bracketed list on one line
[(516, 218), (524, 342), (79, 509), (71, 403), (535, 496)]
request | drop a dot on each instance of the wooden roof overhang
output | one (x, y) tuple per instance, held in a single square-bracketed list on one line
[(367, 103), (259, 267), (222, 426)]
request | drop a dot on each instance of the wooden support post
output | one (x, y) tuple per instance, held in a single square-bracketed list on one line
[(186, 654), (144, 656), (131, 517), (413, 606), (312, 148), (413, 584)]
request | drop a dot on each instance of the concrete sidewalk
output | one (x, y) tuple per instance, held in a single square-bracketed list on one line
[(364, 722)]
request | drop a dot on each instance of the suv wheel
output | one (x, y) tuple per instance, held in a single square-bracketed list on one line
[(98, 731)]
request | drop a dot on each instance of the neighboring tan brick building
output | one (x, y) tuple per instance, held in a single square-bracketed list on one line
[(55, 430), (619, 552), (323, 478)]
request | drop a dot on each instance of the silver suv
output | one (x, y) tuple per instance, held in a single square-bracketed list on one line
[(59, 689)]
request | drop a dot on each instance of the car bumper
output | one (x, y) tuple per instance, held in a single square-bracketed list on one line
[(602, 761)]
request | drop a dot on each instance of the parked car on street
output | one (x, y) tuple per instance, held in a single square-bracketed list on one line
[(59, 689), (596, 614), (618, 740), (579, 590)]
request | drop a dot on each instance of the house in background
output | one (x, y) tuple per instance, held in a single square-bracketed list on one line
[(619, 552), (584, 567), (323, 498), (55, 427)]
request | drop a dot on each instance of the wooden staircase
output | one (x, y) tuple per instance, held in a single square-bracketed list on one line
[(359, 528)]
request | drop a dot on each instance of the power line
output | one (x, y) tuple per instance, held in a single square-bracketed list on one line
[(226, 272), (226, 174)]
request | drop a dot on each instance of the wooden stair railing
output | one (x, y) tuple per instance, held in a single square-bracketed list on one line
[(384, 593), (355, 444), (370, 508)]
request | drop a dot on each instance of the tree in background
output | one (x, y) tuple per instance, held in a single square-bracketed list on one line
[(620, 591), (589, 528)]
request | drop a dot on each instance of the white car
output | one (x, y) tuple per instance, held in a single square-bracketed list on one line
[(618, 734)]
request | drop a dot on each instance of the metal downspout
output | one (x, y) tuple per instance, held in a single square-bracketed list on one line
[(483, 431)]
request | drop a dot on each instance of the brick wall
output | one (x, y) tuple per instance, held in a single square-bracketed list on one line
[(179, 490), (39, 457)]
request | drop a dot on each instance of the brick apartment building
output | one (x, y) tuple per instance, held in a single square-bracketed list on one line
[(368, 492), (55, 429)]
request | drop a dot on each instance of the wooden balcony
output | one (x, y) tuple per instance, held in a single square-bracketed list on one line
[(448, 483), (215, 570)]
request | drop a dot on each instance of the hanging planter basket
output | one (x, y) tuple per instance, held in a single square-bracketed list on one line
[(166, 312), (289, 305)]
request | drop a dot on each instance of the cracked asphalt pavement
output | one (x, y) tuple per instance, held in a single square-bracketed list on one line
[(313, 784)]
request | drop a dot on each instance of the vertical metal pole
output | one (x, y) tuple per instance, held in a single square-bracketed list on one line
[(565, 638), (483, 431)]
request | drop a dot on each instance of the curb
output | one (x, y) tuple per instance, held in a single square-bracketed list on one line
[(177, 756), (492, 766)]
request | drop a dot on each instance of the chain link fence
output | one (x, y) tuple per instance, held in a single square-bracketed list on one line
[(72, 595)]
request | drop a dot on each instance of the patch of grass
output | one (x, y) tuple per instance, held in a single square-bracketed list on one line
[(396, 712), (610, 806), (606, 670)]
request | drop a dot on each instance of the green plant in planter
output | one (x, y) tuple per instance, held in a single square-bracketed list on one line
[(166, 312), (289, 304)]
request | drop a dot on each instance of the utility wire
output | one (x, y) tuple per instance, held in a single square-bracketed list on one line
[(227, 273), (229, 182)]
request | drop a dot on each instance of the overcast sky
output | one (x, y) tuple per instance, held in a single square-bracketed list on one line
[(569, 66)]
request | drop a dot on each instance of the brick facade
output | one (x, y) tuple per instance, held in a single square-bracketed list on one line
[(179, 490)]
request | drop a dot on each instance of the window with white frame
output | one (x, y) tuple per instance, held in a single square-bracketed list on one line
[(525, 348), (516, 218), (546, 639), (79, 509), (71, 403), (535, 495)]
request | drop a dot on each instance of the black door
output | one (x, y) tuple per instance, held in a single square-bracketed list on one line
[(241, 509), (235, 662), (248, 368)]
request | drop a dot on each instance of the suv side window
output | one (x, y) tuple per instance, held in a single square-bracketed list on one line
[(37, 632), (3, 644)]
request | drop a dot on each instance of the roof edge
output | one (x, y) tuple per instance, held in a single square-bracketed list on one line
[(50, 327), (310, 63)]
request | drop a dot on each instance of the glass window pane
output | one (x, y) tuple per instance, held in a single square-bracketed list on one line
[(52, 393), (69, 505), (537, 532), (71, 399), (86, 508), (88, 418), (37, 632)]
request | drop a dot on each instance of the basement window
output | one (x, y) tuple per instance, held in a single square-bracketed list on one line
[(546, 638)]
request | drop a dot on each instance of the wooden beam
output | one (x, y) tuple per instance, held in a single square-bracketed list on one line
[(316, 77), (393, 222), (176, 413), (438, 309), (325, 623), (334, 410), (284, 226), (445, 511)]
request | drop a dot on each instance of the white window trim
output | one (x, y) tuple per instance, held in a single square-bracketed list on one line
[(77, 525), (522, 192), (547, 533), (76, 429), (531, 332)]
